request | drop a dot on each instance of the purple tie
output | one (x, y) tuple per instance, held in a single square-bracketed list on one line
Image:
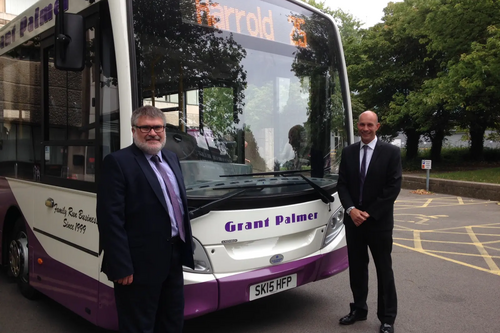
[(362, 174), (173, 197)]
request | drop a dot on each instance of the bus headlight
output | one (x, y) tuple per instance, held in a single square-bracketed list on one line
[(201, 262), (334, 226)]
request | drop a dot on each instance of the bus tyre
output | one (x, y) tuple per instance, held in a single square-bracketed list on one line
[(19, 259)]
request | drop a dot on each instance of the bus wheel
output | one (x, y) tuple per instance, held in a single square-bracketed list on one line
[(19, 259)]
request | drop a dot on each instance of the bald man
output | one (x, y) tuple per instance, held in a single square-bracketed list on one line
[(369, 183)]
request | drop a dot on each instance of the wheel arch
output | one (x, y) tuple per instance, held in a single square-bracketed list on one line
[(12, 215)]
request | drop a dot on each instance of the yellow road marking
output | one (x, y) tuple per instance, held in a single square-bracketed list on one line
[(443, 205), (448, 259), (460, 254), (417, 241), (489, 261), (452, 232), (485, 226), (427, 203), (491, 242), (434, 241)]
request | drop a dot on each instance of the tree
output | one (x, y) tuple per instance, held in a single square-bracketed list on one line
[(464, 34), (350, 32), (393, 63), (179, 50)]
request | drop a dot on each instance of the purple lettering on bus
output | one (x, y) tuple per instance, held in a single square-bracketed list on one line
[(7, 38), (22, 26), (230, 226), (37, 16)]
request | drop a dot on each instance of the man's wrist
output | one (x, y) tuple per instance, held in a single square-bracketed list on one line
[(348, 210)]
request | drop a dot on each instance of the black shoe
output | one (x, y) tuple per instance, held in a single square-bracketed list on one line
[(352, 317), (386, 328)]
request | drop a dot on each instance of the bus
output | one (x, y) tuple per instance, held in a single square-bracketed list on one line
[(258, 108)]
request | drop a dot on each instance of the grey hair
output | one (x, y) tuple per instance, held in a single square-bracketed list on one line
[(148, 111)]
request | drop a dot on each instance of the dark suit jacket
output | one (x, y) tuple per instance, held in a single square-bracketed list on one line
[(381, 188), (133, 219)]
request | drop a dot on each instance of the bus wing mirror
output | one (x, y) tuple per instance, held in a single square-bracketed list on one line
[(70, 42)]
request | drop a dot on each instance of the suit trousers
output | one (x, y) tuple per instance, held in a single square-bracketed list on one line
[(380, 243), (153, 308)]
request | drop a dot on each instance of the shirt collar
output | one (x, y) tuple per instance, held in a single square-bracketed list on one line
[(148, 157), (372, 144)]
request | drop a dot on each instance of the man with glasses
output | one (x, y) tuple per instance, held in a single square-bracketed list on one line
[(144, 228)]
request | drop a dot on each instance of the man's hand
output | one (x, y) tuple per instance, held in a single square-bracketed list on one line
[(126, 280), (358, 216)]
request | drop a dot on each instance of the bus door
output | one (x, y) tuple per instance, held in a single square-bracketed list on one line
[(66, 249)]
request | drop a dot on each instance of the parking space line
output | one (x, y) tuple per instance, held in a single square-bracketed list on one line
[(434, 241), (434, 205), (475, 242), (491, 247), (443, 231), (417, 241), (448, 259), (461, 254), (427, 203), (489, 261)]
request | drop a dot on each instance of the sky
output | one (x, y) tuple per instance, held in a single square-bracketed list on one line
[(369, 12), (17, 6)]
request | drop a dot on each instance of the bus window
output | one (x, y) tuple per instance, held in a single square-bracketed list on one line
[(71, 119), (20, 111)]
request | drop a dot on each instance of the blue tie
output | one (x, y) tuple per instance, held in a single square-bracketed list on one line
[(362, 174), (173, 197)]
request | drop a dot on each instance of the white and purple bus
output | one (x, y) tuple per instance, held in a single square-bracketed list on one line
[(258, 106)]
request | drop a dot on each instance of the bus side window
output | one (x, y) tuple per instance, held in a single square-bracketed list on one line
[(69, 148), (20, 112)]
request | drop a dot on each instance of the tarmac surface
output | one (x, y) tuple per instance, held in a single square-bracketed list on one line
[(446, 259)]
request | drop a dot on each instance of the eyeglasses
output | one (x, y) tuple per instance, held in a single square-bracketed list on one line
[(147, 129)]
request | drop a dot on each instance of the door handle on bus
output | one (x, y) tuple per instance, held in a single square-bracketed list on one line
[(49, 203)]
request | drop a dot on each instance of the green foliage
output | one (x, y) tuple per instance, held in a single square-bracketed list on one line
[(218, 112), (430, 66), (453, 159)]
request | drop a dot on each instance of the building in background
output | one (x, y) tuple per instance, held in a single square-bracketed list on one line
[(4, 16)]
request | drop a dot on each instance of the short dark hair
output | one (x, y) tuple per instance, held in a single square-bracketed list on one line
[(148, 111)]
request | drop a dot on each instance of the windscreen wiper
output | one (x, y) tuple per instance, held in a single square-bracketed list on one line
[(214, 204), (324, 195), (241, 189)]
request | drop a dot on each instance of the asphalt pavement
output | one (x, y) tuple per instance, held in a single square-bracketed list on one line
[(446, 259)]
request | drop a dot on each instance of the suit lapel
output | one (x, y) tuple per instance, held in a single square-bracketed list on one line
[(356, 166), (150, 175)]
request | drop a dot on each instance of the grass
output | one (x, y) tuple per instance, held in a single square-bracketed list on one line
[(456, 164), (489, 175)]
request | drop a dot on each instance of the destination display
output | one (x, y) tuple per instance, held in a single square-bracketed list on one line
[(252, 18)]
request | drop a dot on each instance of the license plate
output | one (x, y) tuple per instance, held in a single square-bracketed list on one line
[(270, 287)]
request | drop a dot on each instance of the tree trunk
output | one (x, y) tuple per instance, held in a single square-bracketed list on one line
[(437, 145), (477, 141), (412, 138)]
